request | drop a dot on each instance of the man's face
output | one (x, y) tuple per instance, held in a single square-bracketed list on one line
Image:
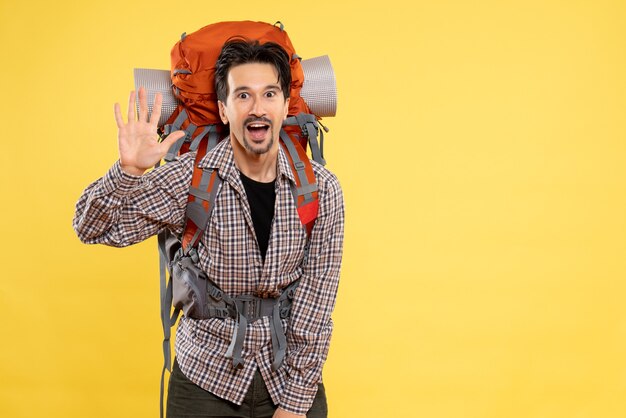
[(255, 107)]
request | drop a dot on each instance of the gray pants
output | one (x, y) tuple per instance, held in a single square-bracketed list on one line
[(186, 399)]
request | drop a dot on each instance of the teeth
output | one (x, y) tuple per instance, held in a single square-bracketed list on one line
[(256, 125)]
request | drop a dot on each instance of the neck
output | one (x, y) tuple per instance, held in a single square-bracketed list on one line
[(259, 167)]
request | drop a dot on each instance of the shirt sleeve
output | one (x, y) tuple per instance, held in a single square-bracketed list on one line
[(121, 209), (310, 325)]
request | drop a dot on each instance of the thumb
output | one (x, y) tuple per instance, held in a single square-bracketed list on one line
[(169, 140)]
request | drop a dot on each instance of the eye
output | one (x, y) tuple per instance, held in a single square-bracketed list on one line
[(243, 95), (270, 93)]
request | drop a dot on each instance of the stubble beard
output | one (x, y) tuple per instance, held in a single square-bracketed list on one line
[(259, 151), (248, 146)]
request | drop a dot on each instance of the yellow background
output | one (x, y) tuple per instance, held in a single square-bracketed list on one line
[(481, 146)]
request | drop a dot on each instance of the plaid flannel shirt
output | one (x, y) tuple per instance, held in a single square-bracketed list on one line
[(120, 209)]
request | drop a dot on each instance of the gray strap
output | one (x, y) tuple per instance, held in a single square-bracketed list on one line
[(290, 121), (324, 129), (240, 336), (214, 190), (168, 129), (309, 126), (207, 130), (279, 340), (231, 346), (282, 309), (178, 122), (307, 189), (200, 194), (189, 131), (321, 159), (173, 151), (197, 214), (213, 138), (304, 118), (298, 164), (300, 119), (194, 239), (180, 71), (205, 179), (289, 292), (166, 321), (274, 342), (195, 210), (197, 139)]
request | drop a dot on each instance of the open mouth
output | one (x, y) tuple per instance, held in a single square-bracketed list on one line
[(257, 130)]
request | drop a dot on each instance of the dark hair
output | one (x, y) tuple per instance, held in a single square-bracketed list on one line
[(242, 51)]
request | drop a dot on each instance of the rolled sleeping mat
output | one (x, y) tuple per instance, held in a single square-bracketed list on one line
[(319, 90)]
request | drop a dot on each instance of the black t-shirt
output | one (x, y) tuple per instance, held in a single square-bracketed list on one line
[(261, 198)]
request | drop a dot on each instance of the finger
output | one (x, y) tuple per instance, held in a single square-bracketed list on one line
[(167, 143), (156, 110), (143, 105), (118, 116), (131, 107)]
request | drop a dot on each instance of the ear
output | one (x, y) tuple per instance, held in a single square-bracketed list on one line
[(286, 108), (222, 108)]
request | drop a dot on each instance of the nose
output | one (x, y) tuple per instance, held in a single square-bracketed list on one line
[(257, 108)]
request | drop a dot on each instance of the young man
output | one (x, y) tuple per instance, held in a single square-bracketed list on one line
[(254, 243)]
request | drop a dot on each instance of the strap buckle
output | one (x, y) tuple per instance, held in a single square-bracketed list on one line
[(215, 293), (222, 313)]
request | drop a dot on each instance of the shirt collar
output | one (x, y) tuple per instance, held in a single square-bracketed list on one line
[(222, 159)]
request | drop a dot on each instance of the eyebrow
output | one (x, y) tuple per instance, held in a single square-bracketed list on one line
[(268, 87)]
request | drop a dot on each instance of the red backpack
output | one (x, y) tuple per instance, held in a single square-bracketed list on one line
[(193, 61)]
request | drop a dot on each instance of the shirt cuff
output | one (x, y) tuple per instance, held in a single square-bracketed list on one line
[(297, 399), (118, 181)]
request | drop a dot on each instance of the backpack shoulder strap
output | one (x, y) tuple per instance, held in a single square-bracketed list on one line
[(305, 190), (202, 192)]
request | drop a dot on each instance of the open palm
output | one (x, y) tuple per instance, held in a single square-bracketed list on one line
[(138, 145)]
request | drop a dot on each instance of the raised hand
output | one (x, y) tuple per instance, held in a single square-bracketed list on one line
[(137, 140)]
